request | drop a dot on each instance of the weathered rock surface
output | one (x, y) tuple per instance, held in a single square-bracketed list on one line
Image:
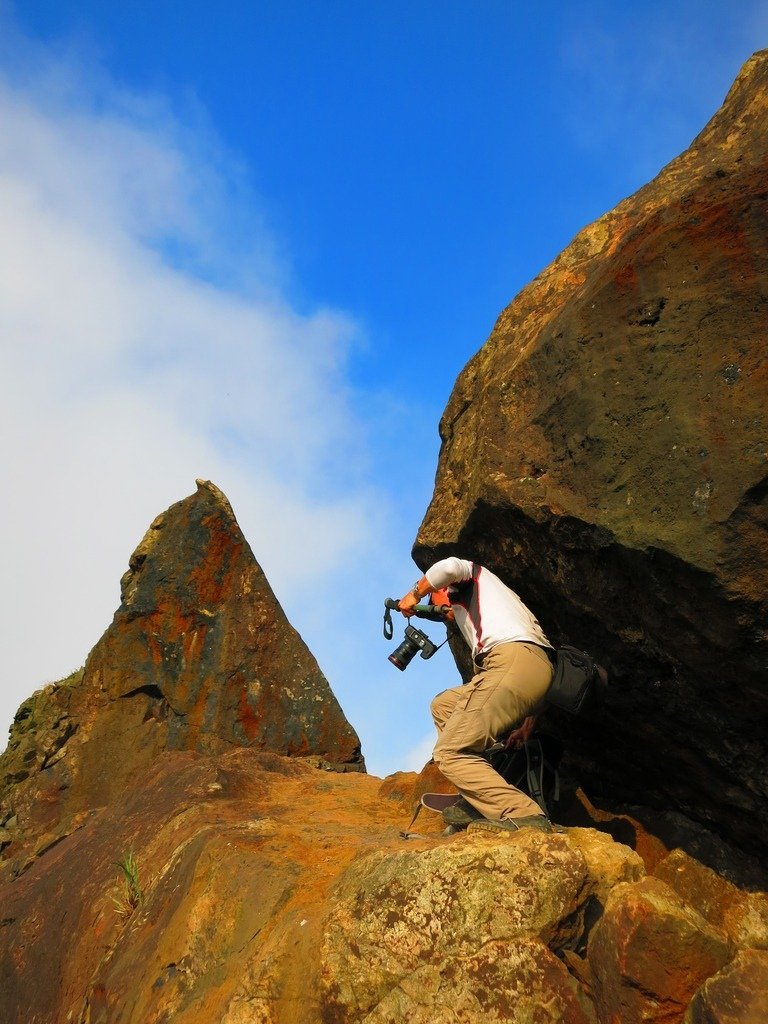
[(650, 952), (272, 892), (515, 981), (199, 656), (473, 923), (606, 453), (234, 852), (743, 916), (737, 995)]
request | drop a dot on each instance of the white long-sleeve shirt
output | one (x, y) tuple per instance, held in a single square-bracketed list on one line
[(487, 612)]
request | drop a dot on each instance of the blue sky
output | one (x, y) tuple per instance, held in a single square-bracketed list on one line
[(257, 243)]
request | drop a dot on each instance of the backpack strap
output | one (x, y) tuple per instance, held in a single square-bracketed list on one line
[(534, 774), (534, 769)]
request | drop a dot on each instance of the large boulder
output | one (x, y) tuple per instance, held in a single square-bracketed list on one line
[(199, 656), (469, 926), (606, 453)]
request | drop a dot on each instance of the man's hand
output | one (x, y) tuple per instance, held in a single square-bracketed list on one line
[(407, 604), (520, 736)]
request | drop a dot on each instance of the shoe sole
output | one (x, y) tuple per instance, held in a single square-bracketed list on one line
[(460, 818), (491, 826)]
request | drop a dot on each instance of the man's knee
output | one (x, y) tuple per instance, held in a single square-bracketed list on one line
[(442, 705), (454, 762), (447, 753), (442, 752), (444, 759)]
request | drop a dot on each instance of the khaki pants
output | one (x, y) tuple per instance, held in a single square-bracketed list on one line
[(510, 686)]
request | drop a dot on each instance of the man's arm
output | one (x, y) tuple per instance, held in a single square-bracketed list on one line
[(520, 736), (447, 571), (437, 577), (409, 601)]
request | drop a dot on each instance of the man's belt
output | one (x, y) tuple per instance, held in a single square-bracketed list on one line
[(549, 651)]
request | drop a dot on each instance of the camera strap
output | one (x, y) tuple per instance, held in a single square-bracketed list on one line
[(389, 629)]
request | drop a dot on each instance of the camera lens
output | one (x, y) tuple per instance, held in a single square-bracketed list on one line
[(404, 654)]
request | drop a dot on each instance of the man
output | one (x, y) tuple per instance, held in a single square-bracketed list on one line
[(514, 672)]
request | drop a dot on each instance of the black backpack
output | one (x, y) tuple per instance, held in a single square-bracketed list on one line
[(579, 684)]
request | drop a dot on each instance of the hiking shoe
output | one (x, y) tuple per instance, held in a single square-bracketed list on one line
[(537, 821), (451, 830), (461, 813)]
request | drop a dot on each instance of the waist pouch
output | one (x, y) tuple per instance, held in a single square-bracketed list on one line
[(578, 682)]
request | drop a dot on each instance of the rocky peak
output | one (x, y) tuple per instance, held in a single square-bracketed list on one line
[(200, 630), (199, 657)]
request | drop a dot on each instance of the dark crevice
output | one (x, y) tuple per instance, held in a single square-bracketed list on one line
[(149, 690), (756, 494), (648, 316), (447, 428), (54, 842)]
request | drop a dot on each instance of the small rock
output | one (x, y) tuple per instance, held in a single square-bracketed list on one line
[(736, 995), (650, 952), (742, 915)]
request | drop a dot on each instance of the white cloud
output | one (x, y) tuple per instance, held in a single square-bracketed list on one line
[(128, 369)]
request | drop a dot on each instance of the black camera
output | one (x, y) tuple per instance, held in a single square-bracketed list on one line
[(415, 642)]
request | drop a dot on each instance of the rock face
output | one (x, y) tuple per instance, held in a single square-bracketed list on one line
[(231, 876), (267, 891), (199, 656), (743, 916), (606, 453)]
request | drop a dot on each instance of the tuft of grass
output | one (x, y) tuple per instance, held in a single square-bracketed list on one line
[(131, 895)]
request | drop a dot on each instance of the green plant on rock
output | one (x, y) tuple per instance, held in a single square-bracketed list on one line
[(131, 895)]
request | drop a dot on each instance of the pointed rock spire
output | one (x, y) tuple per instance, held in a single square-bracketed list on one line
[(199, 657)]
